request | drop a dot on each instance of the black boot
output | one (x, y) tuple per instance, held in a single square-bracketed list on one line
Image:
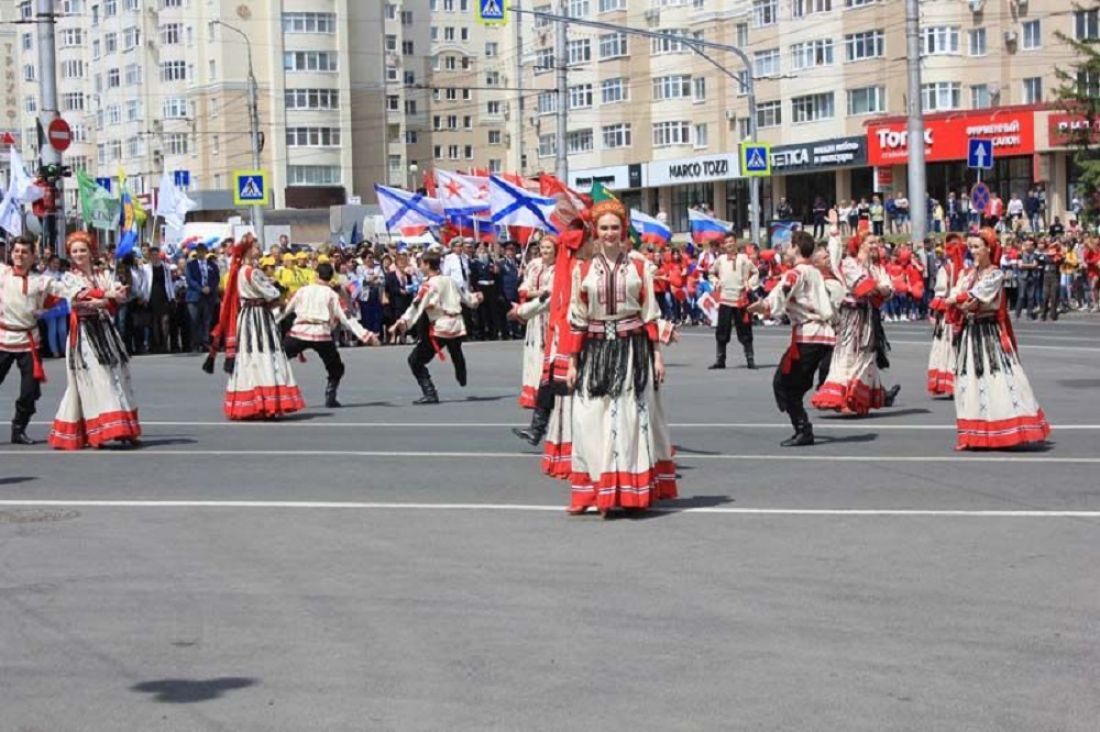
[(892, 394), (750, 358), (330, 394), (534, 434), (428, 389), (803, 436), (19, 433), (720, 359)]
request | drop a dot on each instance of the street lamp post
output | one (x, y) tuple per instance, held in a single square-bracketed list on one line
[(413, 170), (254, 125)]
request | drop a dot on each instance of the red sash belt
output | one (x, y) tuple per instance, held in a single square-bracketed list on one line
[(792, 353), (39, 372)]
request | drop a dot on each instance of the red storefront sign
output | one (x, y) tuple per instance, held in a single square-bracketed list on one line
[(945, 137), (1065, 128)]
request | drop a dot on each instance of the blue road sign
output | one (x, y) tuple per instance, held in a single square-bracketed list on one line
[(250, 187), (105, 183), (756, 159), (979, 197), (182, 178), (980, 153), (492, 11)]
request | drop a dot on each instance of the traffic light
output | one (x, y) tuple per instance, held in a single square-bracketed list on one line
[(55, 171)]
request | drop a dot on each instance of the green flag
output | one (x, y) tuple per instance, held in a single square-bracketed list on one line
[(599, 193), (98, 207)]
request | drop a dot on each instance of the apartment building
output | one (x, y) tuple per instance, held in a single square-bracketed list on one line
[(661, 124)]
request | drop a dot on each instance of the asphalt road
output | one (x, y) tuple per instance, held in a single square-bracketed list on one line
[(391, 567)]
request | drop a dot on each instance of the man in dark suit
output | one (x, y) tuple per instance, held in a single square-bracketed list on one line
[(202, 297)]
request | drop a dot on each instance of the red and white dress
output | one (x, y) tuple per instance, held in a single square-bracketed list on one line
[(941, 360), (98, 405), (538, 279), (262, 385), (557, 446), (994, 404), (853, 383), (621, 447)]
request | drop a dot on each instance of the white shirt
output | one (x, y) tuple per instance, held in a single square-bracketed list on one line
[(457, 268)]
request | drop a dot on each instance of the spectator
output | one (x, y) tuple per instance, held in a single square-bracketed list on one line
[(1067, 274), (1009, 264), (844, 213), (1056, 228), (1032, 207), (371, 278), (994, 210), (510, 280), (877, 212), (1051, 258), (901, 206), (1029, 280), (162, 299), (820, 212), (202, 297), (783, 211), (954, 212), (1015, 213), (57, 317), (937, 216)]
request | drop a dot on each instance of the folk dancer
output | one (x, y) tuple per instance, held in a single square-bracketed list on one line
[(994, 404), (854, 385), (23, 294), (823, 260), (98, 405), (441, 302), (802, 296), (736, 277), (261, 384), (536, 284), (622, 450), (318, 309), (941, 359)]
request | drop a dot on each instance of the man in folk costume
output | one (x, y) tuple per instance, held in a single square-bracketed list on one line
[(736, 278), (941, 359), (441, 302), (261, 384), (802, 296), (318, 310), (23, 294)]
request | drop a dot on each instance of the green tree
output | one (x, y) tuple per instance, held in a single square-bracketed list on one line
[(1079, 94)]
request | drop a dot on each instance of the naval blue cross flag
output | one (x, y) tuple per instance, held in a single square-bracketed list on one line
[(402, 208), (510, 205)]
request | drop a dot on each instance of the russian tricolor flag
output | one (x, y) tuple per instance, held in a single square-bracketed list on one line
[(651, 230), (707, 228)]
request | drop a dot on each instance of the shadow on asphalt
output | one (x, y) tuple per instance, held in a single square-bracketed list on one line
[(689, 451), (1079, 383), (666, 508), (369, 404), (185, 691), (302, 416), (877, 415), (12, 480), (160, 442), (830, 440)]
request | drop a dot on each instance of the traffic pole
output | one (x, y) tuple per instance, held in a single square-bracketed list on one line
[(53, 223), (561, 52), (918, 180)]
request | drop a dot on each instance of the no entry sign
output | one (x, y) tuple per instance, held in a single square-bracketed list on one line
[(59, 134)]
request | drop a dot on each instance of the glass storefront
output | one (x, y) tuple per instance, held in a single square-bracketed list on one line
[(804, 188), (1008, 176), (683, 198)]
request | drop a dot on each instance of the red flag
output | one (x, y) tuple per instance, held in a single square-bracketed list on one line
[(570, 203), (429, 183)]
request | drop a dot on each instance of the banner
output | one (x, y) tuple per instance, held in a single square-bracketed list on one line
[(98, 207)]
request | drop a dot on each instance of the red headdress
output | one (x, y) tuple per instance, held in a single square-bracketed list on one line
[(610, 206), (84, 236), (226, 328)]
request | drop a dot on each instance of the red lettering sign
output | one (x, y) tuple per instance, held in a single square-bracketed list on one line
[(1066, 129), (945, 138)]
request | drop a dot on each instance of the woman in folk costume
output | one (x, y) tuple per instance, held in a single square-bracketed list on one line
[(941, 360), (854, 385), (536, 284), (98, 405), (261, 384), (994, 404), (621, 448)]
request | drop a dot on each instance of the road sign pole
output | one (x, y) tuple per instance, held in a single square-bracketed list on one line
[(917, 173), (561, 52), (53, 224)]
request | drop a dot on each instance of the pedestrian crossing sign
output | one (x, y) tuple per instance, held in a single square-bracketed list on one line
[(250, 188), (492, 12), (756, 159)]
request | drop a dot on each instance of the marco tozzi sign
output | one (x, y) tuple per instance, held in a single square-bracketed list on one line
[(692, 170)]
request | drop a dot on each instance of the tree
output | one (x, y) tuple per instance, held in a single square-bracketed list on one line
[(1079, 94)]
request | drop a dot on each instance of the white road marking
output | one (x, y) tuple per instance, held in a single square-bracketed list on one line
[(826, 424), (681, 457), (925, 343), (363, 505)]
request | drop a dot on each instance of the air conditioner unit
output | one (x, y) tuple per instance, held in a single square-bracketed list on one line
[(1010, 37), (976, 6), (731, 115)]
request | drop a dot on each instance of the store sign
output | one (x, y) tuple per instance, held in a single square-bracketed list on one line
[(616, 178), (840, 152), (946, 138), (1068, 129), (692, 170)]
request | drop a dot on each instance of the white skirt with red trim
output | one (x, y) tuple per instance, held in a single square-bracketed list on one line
[(533, 346), (557, 449), (853, 384), (941, 360), (262, 385)]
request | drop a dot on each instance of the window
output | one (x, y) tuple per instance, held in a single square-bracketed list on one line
[(616, 136), (407, 49), (769, 114), (114, 114), (26, 11), (544, 60), (975, 42), (492, 78), (317, 175), (309, 22), (110, 8), (700, 138), (393, 103), (28, 72), (547, 102), (606, 6), (313, 136), (742, 34), (391, 42), (1086, 24), (579, 141), (764, 12), (131, 38), (800, 8), (30, 105), (699, 89), (613, 91), (812, 53), (171, 34), (671, 87), (579, 51), (671, 133), (97, 49), (309, 61), (116, 149), (669, 43), (134, 110), (547, 146), (133, 74), (979, 96), (612, 45), (133, 5), (541, 22), (312, 99), (448, 33), (1033, 35), (114, 79), (812, 107), (765, 63), (867, 100), (580, 96), (940, 40), (171, 3), (577, 8), (173, 71), (492, 49), (1088, 84), (72, 102), (869, 44), (72, 69), (494, 108), (1033, 90), (495, 137), (175, 108), (176, 143), (70, 37), (110, 42), (940, 95), (858, 3), (406, 17)]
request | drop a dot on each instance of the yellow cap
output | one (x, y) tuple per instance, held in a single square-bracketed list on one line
[(267, 262), (301, 256), (288, 258), (323, 259)]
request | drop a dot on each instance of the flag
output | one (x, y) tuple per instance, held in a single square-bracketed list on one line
[(706, 228), (11, 214), (601, 193), (23, 188), (98, 207), (355, 234), (462, 195), (651, 230), (128, 222), (172, 203), (403, 209), (570, 203), (513, 206)]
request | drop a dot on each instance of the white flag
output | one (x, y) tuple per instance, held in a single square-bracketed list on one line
[(513, 206), (463, 195), (172, 203), (11, 214), (21, 183), (404, 209)]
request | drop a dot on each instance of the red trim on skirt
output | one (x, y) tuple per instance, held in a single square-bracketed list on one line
[(625, 490), (941, 383), (557, 460), (104, 428), (992, 434), (857, 396), (527, 397), (263, 402)]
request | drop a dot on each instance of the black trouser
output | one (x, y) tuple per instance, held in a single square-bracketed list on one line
[(1052, 286), (327, 350), (1028, 296), (202, 314), (794, 377), (470, 320), (730, 318), (823, 369), (29, 388), (488, 312), (424, 351)]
